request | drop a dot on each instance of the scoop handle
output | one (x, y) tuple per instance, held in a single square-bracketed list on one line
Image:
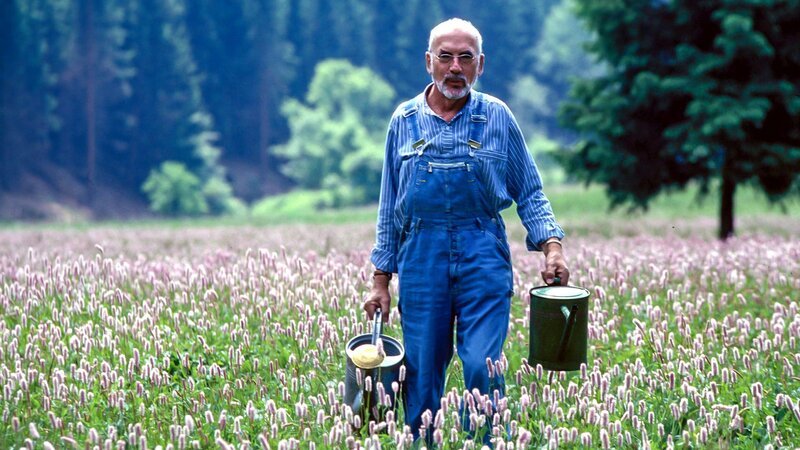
[(376, 328)]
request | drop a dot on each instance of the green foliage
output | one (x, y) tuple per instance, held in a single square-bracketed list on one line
[(107, 90), (696, 91), (531, 103), (341, 89), (28, 77), (577, 203), (216, 191), (308, 207), (557, 58), (242, 50), (169, 113), (546, 154), (560, 52), (174, 190), (337, 134), (298, 203), (221, 201), (364, 167)]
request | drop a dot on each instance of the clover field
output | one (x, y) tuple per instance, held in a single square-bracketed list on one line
[(234, 336)]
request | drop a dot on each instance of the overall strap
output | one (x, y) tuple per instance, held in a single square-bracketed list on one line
[(410, 110), (477, 124)]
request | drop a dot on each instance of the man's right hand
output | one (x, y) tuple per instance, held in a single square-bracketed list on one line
[(379, 298)]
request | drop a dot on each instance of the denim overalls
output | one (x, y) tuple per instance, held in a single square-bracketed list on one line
[(454, 267)]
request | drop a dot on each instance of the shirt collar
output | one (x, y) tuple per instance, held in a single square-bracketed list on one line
[(469, 106)]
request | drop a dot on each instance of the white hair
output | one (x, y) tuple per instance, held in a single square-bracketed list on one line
[(452, 25)]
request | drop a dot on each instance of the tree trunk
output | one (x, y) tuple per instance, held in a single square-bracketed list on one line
[(89, 47), (726, 226), (264, 121), (8, 40), (8, 161), (265, 84)]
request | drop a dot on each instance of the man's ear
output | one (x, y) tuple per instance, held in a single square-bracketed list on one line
[(428, 63), (481, 60)]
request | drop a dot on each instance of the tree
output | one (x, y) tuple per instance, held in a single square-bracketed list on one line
[(30, 44), (87, 42), (174, 190), (337, 135), (701, 90), (558, 57), (171, 119), (509, 32), (275, 68), (243, 53), (168, 110), (11, 93), (90, 84)]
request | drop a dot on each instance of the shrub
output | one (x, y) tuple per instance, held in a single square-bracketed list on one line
[(173, 190), (295, 204), (221, 201)]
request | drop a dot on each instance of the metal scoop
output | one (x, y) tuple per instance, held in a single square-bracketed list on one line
[(369, 356)]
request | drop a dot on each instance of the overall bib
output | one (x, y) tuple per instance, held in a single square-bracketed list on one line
[(455, 272)]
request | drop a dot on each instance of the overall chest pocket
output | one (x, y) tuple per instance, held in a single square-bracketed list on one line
[(491, 154), (492, 164), (439, 172)]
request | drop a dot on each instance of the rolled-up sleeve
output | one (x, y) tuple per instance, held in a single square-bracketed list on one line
[(525, 186), (384, 254)]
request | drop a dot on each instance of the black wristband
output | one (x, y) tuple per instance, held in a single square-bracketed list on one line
[(382, 273)]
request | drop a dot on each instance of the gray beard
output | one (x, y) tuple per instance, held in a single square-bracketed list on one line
[(449, 93)]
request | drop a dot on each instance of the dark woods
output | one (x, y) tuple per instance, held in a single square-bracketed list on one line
[(96, 94)]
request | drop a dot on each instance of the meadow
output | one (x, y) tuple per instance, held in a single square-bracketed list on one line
[(231, 335)]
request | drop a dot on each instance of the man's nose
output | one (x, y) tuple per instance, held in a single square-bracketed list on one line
[(455, 66)]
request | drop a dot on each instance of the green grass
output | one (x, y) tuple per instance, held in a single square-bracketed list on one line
[(587, 211), (573, 204)]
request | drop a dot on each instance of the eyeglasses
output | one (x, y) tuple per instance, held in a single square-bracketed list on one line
[(447, 58)]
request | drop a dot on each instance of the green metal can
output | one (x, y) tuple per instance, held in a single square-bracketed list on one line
[(559, 322)]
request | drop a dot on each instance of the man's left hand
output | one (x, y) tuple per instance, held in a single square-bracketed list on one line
[(555, 265)]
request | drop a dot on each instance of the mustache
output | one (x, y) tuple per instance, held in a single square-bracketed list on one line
[(460, 77)]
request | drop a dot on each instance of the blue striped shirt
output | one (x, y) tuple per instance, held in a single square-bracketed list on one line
[(511, 176)]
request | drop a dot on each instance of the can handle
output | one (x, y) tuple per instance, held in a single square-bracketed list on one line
[(376, 328), (569, 319), (357, 400)]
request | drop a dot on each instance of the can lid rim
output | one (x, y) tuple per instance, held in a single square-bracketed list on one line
[(560, 292)]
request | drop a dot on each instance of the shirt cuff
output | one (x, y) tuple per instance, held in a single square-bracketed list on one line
[(384, 260), (541, 233)]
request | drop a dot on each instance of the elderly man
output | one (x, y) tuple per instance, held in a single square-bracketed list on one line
[(454, 159)]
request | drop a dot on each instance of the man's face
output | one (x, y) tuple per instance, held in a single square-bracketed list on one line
[(454, 78)]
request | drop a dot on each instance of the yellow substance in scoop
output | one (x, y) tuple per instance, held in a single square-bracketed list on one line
[(367, 356)]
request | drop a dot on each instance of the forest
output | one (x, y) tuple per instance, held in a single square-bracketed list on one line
[(97, 95), (116, 109)]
